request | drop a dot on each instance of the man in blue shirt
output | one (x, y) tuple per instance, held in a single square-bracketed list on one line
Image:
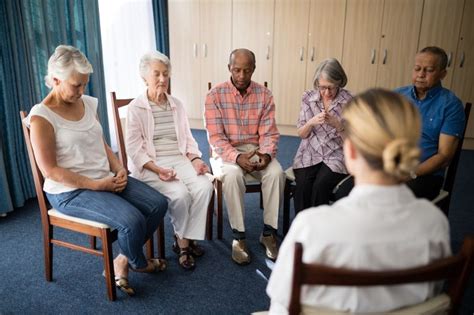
[(442, 120)]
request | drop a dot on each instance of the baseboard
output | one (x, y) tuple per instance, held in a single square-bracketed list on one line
[(285, 130)]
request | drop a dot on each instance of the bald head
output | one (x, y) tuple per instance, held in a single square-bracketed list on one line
[(243, 54)]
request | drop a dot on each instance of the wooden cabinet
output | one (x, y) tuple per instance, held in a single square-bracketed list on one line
[(463, 67), (325, 34), (380, 42), (440, 27), (289, 63), (252, 28), (305, 34), (200, 43)]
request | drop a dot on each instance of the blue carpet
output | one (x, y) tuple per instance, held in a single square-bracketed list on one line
[(217, 286)]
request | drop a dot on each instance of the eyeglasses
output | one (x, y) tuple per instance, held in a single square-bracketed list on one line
[(330, 89)]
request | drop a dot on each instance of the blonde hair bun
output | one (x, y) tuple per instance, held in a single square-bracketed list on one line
[(400, 158)]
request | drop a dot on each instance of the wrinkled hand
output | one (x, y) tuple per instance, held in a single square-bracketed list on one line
[(200, 167), (263, 161), (243, 160), (332, 120), (319, 119), (167, 174)]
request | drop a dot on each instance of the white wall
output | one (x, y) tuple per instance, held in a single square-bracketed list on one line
[(127, 31)]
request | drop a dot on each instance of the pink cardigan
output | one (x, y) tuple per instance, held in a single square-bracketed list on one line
[(139, 135)]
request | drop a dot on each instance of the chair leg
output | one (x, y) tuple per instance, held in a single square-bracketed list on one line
[(219, 208), (108, 264), (210, 214), (149, 248), (286, 207), (261, 199), (93, 242), (160, 236), (48, 253)]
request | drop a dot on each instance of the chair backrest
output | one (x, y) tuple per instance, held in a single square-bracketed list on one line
[(37, 175), (453, 166), (455, 269), (120, 126)]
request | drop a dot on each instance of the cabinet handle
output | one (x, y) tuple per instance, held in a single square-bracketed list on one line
[(372, 58), (301, 53), (312, 54), (268, 52), (204, 50), (195, 50), (450, 57), (384, 56), (461, 64)]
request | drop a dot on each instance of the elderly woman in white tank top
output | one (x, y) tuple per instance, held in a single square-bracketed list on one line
[(83, 177), (381, 225), (163, 153)]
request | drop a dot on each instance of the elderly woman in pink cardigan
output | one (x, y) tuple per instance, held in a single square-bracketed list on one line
[(163, 153)]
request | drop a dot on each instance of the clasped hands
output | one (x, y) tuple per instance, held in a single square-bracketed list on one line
[(115, 183), (324, 117), (249, 163)]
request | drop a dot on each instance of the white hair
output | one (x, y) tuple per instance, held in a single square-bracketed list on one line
[(153, 56), (64, 61)]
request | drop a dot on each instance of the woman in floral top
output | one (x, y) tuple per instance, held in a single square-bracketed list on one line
[(319, 161)]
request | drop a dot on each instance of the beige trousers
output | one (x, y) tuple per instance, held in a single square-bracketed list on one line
[(234, 178)]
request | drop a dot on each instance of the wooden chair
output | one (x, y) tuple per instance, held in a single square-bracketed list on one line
[(119, 132), (252, 185), (455, 269), (444, 198), (51, 218)]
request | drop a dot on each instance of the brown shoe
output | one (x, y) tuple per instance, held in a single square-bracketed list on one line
[(240, 253), (270, 244)]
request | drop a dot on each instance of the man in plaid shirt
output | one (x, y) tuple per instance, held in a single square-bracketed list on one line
[(240, 121)]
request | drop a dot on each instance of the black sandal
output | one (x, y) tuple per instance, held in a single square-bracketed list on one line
[(185, 259), (196, 250)]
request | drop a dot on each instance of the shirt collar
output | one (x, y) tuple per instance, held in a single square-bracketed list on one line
[(145, 103), (237, 92), (431, 92), (382, 195)]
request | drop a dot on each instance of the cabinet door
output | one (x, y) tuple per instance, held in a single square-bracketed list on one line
[(215, 44), (252, 28), (185, 53), (399, 40), (361, 43), (463, 69), (440, 27), (289, 63), (326, 34)]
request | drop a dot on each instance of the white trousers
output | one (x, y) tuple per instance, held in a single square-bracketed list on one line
[(188, 197), (234, 178)]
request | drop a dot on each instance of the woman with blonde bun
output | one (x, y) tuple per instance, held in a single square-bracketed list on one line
[(381, 225)]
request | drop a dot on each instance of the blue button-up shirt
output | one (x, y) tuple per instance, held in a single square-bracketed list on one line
[(441, 113)]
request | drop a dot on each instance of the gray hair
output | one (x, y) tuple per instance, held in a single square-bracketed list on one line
[(331, 70), (153, 56), (438, 52), (64, 61), (244, 51)]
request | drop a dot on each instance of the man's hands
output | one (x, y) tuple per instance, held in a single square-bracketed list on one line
[(253, 161)]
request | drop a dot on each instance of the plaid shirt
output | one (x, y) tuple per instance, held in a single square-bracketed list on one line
[(233, 120), (324, 144)]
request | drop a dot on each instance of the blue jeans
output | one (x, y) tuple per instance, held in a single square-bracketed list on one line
[(136, 213)]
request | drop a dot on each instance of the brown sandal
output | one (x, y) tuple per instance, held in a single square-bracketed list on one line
[(185, 259)]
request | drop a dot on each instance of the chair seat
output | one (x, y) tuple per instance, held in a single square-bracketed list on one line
[(55, 213), (435, 306), (290, 174), (249, 179), (442, 194)]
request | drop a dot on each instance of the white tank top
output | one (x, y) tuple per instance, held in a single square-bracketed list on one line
[(79, 144)]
